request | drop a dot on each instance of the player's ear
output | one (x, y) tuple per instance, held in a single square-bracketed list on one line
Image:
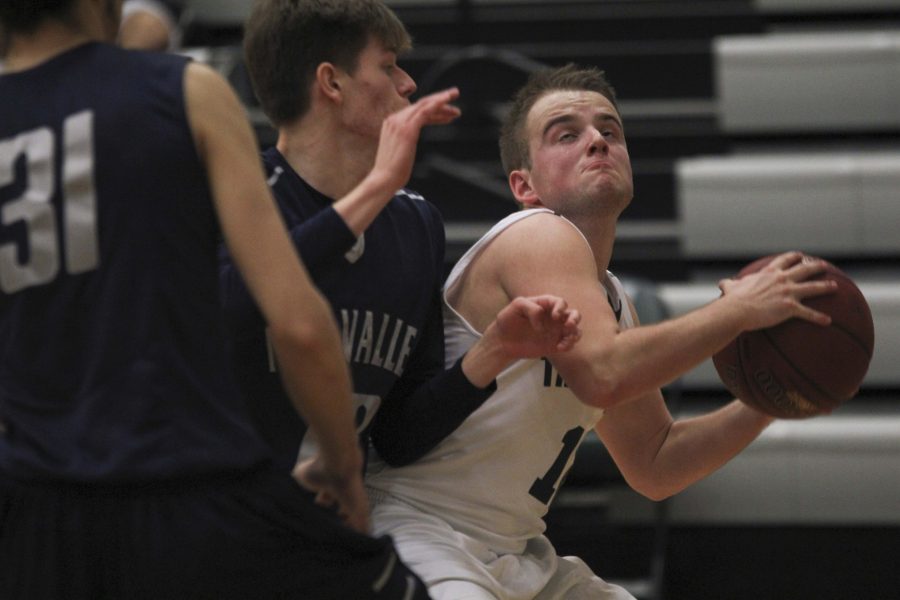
[(520, 184), (328, 81)]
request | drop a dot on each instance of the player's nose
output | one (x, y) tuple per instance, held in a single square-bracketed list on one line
[(597, 142), (406, 85)]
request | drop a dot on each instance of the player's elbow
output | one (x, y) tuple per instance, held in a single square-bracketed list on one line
[(304, 333), (652, 488), (656, 493), (600, 390)]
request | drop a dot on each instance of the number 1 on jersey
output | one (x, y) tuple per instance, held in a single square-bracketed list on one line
[(544, 487)]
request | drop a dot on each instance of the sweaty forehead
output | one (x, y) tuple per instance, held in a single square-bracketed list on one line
[(567, 102)]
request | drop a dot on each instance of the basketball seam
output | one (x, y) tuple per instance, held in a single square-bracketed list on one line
[(795, 368), (844, 329)]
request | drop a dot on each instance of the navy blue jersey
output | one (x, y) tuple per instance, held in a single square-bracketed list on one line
[(384, 289), (111, 347)]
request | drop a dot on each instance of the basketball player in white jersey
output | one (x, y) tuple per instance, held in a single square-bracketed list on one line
[(467, 517)]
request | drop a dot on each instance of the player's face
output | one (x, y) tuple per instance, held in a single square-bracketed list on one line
[(579, 159), (375, 90)]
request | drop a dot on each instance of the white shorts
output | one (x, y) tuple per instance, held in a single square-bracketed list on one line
[(456, 566)]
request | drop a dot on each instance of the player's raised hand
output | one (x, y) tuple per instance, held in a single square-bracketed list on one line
[(776, 292), (530, 327), (400, 135), (342, 492)]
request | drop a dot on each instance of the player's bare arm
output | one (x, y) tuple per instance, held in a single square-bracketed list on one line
[(306, 342), (544, 254), (659, 456)]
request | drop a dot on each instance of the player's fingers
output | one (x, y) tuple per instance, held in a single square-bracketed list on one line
[(442, 96), (557, 307), (443, 112), (818, 287), (573, 318), (806, 268), (812, 315), (560, 310), (553, 305), (569, 340), (435, 103), (785, 260), (535, 311)]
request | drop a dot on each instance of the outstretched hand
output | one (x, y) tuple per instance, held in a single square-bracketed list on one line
[(530, 327), (775, 293), (343, 493), (400, 135), (525, 328)]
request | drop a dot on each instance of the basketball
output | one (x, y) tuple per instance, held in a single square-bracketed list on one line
[(798, 369)]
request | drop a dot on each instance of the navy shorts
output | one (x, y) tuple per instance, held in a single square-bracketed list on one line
[(253, 536)]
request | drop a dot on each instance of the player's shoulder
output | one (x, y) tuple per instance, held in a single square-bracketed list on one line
[(538, 230), (534, 244), (408, 195), (411, 201)]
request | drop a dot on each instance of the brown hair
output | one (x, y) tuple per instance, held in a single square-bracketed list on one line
[(26, 15), (285, 41), (513, 138)]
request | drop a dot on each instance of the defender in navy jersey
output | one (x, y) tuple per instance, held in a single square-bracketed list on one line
[(326, 74), (467, 517), (128, 465)]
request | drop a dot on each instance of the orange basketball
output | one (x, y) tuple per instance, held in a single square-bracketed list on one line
[(798, 369)]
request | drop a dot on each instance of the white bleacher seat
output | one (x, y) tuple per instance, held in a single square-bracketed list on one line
[(834, 204), (835, 470), (808, 82)]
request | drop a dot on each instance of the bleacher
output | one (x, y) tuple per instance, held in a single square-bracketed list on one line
[(754, 126)]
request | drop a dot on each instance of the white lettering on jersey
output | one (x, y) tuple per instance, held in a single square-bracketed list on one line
[(364, 337), (38, 262)]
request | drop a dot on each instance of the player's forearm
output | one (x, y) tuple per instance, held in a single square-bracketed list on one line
[(359, 208), (409, 425), (316, 378), (321, 239), (632, 362), (486, 359), (696, 447)]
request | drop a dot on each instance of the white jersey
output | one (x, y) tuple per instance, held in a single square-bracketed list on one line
[(495, 476)]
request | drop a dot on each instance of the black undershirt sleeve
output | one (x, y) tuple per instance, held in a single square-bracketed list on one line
[(427, 403), (322, 238)]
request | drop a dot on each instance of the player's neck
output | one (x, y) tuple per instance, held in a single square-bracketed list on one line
[(30, 50), (601, 235), (329, 160)]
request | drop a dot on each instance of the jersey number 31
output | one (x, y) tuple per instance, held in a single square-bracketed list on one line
[(39, 261)]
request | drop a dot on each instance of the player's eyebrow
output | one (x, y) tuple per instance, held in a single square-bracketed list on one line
[(570, 117), (603, 117), (563, 118)]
